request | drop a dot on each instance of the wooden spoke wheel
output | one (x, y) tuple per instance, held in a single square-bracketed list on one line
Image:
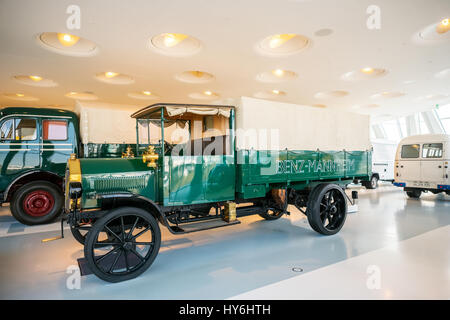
[(327, 209), (130, 251)]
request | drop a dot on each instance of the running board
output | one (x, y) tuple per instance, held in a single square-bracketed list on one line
[(200, 226)]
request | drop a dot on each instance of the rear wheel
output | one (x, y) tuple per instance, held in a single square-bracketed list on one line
[(327, 209), (372, 184), (36, 202), (135, 242), (414, 194)]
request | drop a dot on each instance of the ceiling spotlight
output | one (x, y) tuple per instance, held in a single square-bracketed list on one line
[(147, 93), (35, 78), (278, 72), (208, 93), (276, 91), (197, 74), (279, 39), (20, 94), (172, 39), (67, 40), (367, 70), (443, 26), (110, 74)]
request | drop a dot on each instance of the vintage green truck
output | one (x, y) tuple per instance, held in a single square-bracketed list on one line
[(35, 144), (201, 181)]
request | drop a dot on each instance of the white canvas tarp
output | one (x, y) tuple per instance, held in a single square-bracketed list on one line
[(106, 122), (283, 125), (175, 111)]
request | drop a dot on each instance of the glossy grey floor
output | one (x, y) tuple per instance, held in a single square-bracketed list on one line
[(232, 261)]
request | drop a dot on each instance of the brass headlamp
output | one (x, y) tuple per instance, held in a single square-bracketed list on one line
[(150, 157)]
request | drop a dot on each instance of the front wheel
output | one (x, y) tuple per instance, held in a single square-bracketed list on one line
[(36, 202), (327, 209), (135, 242), (414, 194)]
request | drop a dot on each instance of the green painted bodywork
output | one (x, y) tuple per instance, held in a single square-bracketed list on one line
[(20, 158), (185, 180)]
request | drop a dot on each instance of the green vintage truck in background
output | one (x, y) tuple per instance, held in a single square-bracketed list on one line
[(35, 144), (198, 182)]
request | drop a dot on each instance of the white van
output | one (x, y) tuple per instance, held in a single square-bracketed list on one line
[(422, 164)]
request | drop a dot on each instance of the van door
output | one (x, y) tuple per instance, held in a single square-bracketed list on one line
[(433, 167), (408, 167), (19, 148)]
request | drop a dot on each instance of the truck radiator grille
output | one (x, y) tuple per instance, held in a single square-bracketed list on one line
[(118, 183)]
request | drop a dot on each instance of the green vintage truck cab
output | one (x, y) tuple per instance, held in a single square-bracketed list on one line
[(35, 144), (198, 182)]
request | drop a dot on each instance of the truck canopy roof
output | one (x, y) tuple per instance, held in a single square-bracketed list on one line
[(37, 112), (174, 109)]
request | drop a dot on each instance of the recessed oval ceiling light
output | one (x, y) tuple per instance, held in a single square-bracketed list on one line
[(81, 95), (35, 80), (269, 94), (114, 78), (434, 97), (194, 76), (434, 33), (387, 95), (205, 95), (331, 94), (175, 44), (67, 44), (20, 97), (143, 95), (366, 106), (322, 106), (277, 75), (444, 74), (364, 73), (443, 26), (323, 32), (283, 44)]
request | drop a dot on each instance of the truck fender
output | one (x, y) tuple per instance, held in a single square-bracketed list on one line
[(131, 199), (29, 177)]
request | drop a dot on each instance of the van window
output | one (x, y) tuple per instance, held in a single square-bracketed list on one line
[(7, 130), (54, 130), (25, 129), (432, 150), (410, 151)]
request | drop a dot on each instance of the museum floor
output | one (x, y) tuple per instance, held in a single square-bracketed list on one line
[(392, 248)]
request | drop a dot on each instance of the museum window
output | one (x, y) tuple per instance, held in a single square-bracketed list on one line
[(410, 151), (54, 130), (432, 150)]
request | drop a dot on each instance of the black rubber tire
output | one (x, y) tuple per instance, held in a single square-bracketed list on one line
[(269, 217), (98, 227), (372, 184), (414, 194), (16, 205), (313, 208)]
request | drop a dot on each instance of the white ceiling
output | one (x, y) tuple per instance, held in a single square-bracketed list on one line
[(229, 31)]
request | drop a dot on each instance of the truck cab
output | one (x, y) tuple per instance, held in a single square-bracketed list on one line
[(35, 144), (422, 164)]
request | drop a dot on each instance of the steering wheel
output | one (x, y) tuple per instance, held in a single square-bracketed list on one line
[(167, 147)]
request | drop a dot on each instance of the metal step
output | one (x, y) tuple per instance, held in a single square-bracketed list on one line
[(204, 225)]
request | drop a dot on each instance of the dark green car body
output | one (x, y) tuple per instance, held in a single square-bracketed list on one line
[(29, 152)]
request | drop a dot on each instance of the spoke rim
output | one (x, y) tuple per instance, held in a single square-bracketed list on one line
[(124, 244), (332, 209)]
